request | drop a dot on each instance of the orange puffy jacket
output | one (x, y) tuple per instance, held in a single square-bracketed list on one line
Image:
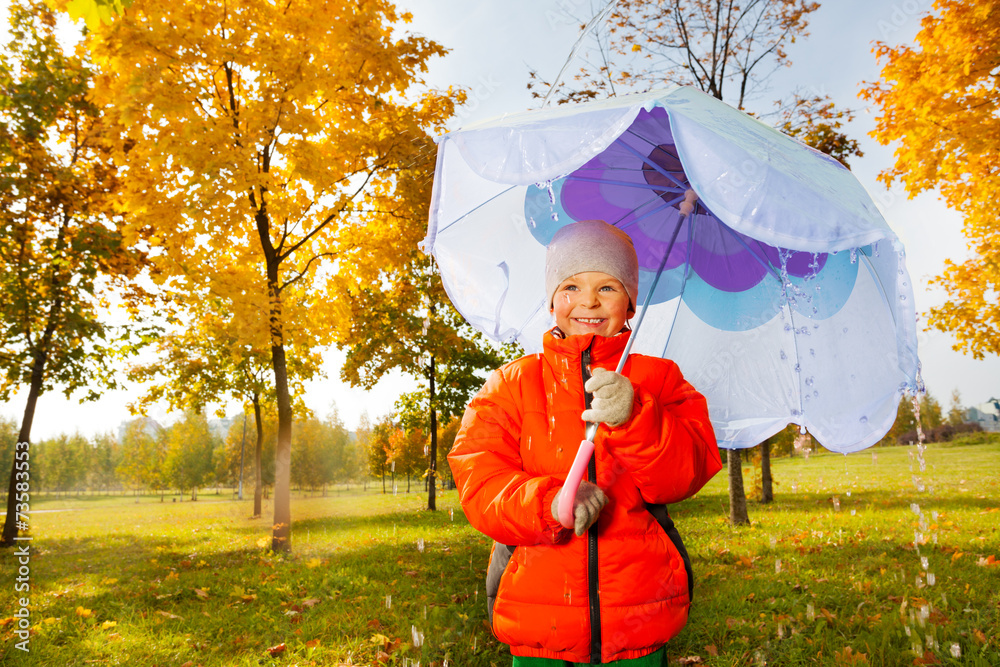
[(621, 591)]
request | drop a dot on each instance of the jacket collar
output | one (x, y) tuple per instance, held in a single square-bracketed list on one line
[(603, 351)]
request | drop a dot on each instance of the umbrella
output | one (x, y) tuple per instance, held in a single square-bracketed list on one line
[(783, 297)]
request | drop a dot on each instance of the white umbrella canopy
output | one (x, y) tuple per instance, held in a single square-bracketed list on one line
[(784, 298)]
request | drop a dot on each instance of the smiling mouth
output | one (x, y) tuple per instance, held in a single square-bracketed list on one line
[(590, 320)]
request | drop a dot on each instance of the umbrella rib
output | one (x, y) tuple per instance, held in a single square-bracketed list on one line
[(647, 214), (657, 168), (473, 210), (626, 184), (766, 264), (680, 297), (878, 283)]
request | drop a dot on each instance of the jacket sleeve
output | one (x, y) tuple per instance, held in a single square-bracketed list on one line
[(500, 499), (668, 445)]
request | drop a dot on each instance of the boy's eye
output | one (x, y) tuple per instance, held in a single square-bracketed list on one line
[(608, 288), (569, 288)]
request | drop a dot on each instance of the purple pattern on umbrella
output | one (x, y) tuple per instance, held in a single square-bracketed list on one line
[(637, 183)]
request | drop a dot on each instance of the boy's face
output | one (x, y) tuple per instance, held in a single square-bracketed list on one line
[(590, 302)]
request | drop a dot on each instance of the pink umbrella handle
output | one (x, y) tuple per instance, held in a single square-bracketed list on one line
[(572, 483)]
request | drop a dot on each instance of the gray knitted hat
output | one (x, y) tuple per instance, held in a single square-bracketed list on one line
[(591, 245)]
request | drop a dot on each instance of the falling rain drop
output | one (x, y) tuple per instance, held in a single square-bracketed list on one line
[(836, 504), (420, 544), (810, 612), (923, 562), (956, 651), (418, 636), (451, 514), (388, 602), (777, 566), (930, 579)]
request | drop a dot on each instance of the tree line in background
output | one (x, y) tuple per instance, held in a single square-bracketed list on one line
[(189, 455)]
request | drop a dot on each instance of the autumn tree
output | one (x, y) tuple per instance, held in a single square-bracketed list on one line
[(320, 452), (940, 106), (956, 412), (60, 252), (404, 321), (190, 444), (144, 455), (210, 354), (377, 452), (272, 136)]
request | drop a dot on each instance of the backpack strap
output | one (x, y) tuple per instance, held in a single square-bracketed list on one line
[(659, 512)]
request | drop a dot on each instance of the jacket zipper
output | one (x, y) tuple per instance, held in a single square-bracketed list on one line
[(594, 595)]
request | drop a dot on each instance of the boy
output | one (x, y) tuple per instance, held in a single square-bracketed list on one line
[(616, 587)]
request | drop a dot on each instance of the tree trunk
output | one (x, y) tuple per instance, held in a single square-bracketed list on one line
[(35, 389), (383, 479), (432, 469), (737, 497), (258, 484), (766, 487), (243, 443), (407, 482), (281, 536)]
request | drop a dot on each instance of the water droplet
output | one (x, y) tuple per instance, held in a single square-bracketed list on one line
[(845, 329), (783, 355), (798, 368), (812, 352), (854, 255), (902, 297), (863, 420), (810, 380)]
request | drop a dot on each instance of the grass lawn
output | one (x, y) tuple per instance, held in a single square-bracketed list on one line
[(829, 574)]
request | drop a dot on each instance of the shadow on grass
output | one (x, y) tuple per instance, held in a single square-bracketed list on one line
[(227, 606)]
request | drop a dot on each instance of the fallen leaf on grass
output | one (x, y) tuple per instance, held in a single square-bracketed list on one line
[(276, 650), (312, 643), (712, 651), (311, 602), (927, 659), (980, 637), (108, 624), (989, 561), (828, 614), (690, 660), (167, 614), (84, 613), (202, 594), (314, 563), (847, 656)]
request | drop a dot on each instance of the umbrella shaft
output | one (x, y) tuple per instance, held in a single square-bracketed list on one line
[(649, 295)]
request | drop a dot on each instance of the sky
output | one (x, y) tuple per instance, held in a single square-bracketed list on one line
[(493, 47)]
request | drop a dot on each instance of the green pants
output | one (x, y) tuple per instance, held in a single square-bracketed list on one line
[(654, 659)]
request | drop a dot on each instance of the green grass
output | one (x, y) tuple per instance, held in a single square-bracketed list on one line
[(188, 582)]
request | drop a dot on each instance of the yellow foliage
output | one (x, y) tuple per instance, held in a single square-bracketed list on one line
[(940, 104)]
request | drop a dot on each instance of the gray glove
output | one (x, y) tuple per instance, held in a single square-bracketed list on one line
[(612, 402), (587, 504)]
